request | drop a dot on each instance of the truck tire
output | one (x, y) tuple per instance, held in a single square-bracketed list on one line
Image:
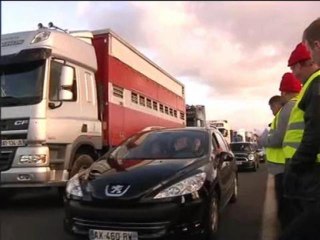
[(82, 162)]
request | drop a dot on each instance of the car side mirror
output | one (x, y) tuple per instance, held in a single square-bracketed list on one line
[(226, 157)]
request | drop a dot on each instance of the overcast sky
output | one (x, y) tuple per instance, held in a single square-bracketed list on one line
[(230, 55)]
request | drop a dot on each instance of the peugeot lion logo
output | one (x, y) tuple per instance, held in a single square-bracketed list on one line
[(116, 190)]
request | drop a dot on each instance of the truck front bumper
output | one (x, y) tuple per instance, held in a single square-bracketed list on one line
[(32, 177), (32, 174)]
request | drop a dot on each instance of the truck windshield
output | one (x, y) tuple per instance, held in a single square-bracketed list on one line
[(22, 83)]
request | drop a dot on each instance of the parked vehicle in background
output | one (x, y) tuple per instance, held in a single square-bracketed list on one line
[(224, 127), (196, 115), (157, 184), (246, 155), (66, 97)]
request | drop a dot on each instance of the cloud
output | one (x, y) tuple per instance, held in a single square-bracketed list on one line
[(229, 55), (237, 51)]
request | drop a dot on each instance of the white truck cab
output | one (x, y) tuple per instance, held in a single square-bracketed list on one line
[(48, 107)]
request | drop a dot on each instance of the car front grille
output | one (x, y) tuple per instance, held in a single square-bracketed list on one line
[(241, 157)]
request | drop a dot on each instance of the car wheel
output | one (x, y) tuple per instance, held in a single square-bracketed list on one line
[(82, 162), (234, 196), (212, 222), (254, 167)]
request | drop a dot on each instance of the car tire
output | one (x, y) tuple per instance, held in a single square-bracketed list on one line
[(82, 162), (254, 167), (212, 221), (234, 196)]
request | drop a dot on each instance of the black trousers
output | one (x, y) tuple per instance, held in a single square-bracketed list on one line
[(306, 226), (288, 209)]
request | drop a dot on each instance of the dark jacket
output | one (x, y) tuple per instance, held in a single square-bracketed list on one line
[(302, 174)]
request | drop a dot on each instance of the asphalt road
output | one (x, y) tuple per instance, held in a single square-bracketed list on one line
[(243, 220), (39, 215)]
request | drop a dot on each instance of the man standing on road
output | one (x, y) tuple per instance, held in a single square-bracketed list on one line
[(290, 87), (302, 140)]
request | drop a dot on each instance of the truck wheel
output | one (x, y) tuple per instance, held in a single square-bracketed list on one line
[(82, 162), (212, 222)]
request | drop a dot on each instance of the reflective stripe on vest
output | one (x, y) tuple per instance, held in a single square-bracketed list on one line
[(275, 155), (296, 124)]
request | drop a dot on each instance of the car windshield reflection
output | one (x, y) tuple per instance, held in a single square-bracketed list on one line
[(163, 144)]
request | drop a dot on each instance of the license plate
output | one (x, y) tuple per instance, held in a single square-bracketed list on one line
[(12, 142), (112, 235), (238, 162)]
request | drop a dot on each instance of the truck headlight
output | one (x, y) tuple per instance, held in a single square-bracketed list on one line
[(251, 157), (188, 185), (73, 187), (41, 36), (33, 159)]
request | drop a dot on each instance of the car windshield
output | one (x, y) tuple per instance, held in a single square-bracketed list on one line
[(165, 144), (240, 147)]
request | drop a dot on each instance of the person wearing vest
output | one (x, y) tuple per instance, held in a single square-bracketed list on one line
[(290, 87), (301, 147)]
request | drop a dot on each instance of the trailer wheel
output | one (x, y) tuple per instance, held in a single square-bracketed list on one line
[(82, 162)]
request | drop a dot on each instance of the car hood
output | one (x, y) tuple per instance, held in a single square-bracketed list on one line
[(131, 179)]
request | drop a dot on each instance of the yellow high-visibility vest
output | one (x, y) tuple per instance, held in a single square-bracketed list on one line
[(275, 155), (295, 129)]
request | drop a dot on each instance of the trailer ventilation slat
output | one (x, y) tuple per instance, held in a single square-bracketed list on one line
[(118, 92)]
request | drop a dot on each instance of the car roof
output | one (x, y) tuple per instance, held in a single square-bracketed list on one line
[(203, 129)]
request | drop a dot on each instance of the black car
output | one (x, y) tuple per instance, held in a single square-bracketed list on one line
[(158, 184), (246, 154)]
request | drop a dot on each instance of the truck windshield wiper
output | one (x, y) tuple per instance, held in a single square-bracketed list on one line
[(9, 100)]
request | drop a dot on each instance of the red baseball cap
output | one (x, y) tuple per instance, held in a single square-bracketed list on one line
[(300, 53), (289, 83)]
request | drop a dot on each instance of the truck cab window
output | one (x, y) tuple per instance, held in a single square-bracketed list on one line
[(55, 73)]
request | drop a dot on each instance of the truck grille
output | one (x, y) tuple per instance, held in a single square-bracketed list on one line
[(7, 153), (6, 158), (14, 124)]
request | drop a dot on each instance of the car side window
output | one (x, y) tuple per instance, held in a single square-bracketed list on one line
[(222, 144), (214, 142)]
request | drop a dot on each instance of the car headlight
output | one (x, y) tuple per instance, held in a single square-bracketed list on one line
[(188, 185), (73, 187), (251, 157)]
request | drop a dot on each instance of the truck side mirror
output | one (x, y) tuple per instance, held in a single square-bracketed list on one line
[(65, 95), (66, 83), (66, 77)]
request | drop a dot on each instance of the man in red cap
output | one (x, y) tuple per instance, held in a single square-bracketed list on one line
[(290, 87), (301, 147), (311, 38)]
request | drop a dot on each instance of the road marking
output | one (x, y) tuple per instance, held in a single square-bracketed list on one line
[(270, 224)]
